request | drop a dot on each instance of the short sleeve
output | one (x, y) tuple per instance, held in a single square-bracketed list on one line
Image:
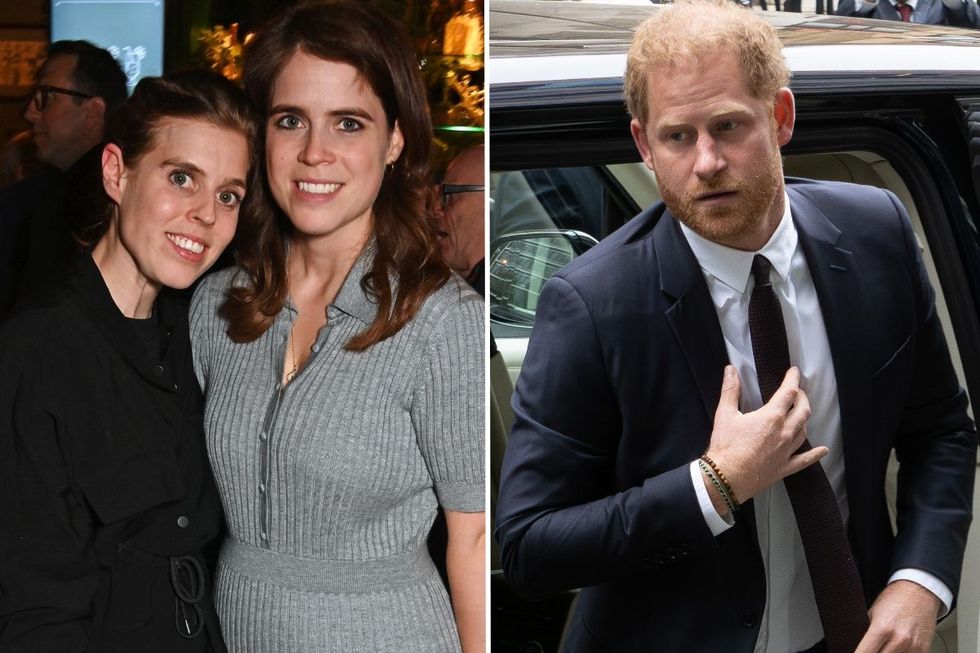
[(448, 410)]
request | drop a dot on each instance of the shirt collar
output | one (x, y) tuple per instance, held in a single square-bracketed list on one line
[(910, 3), (351, 298), (733, 266)]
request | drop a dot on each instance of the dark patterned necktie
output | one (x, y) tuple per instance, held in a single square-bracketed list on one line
[(836, 584), (906, 12)]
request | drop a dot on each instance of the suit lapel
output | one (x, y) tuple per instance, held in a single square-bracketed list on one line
[(886, 11), (692, 316), (921, 12), (694, 321), (837, 279)]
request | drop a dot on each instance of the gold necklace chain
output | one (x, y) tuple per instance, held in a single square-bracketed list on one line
[(292, 338)]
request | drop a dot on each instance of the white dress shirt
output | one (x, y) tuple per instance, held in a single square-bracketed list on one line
[(790, 622)]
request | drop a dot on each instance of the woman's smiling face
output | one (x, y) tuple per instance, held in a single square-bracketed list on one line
[(178, 204), (327, 145)]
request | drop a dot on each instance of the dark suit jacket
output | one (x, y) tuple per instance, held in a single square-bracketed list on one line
[(39, 218), (617, 396), (927, 12)]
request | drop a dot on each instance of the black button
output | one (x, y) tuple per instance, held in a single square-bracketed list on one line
[(158, 370), (750, 618)]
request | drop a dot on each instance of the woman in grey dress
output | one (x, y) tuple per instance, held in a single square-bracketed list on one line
[(342, 361)]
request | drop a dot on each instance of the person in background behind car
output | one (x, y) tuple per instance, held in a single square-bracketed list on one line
[(958, 13), (461, 218), (660, 455)]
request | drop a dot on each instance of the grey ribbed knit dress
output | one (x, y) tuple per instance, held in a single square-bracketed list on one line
[(330, 484)]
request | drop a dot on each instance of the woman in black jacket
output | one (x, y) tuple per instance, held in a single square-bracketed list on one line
[(106, 499)]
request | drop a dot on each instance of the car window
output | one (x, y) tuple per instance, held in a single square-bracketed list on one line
[(540, 219), (534, 211)]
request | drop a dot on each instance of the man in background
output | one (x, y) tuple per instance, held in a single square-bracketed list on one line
[(461, 217), (958, 13), (77, 86)]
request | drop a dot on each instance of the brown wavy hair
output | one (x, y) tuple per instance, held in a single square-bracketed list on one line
[(408, 266)]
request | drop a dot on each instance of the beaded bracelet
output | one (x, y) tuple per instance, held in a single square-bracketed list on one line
[(718, 486), (724, 481)]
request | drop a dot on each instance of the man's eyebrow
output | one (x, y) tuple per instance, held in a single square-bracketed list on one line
[(721, 113)]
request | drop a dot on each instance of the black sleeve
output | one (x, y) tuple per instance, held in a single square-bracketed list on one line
[(48, 569)]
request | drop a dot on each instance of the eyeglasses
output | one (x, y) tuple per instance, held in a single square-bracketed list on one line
[(41, 94), (446, 190)]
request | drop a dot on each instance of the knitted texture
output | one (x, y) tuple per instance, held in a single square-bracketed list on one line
[(330, 484)]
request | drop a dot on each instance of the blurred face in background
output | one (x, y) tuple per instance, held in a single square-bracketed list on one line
[(66, 126), (461, 218)]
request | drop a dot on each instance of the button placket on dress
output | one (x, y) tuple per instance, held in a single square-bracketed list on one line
[(283, 329)]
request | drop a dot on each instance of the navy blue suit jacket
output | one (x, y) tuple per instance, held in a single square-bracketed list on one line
[(617, 396), (927, 12)]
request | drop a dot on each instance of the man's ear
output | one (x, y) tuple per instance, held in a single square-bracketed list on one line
[(113, 172), (642, 145), (784, 112), (95, 113)]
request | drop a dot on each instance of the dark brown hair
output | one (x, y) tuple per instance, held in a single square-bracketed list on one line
[(406, 250), (195, 95)]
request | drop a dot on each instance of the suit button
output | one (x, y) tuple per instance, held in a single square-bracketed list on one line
[(158, 370), (183, 521), (750, 618)]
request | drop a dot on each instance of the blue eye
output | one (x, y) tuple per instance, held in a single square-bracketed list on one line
[(180, 178), (289, 121), (727, 126)]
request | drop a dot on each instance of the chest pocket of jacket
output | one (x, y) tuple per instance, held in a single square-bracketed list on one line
[(124, 488)]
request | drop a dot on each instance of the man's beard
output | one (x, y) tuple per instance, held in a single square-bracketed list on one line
[(732, 224)]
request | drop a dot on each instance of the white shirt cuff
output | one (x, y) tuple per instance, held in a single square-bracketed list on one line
[(716, 523), (869, 4), (928, 581)]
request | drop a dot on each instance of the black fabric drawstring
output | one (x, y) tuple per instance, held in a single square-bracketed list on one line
[(188, 580)]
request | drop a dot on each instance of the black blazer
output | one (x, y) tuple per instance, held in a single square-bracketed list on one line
[(616, 398), (104, 480)]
